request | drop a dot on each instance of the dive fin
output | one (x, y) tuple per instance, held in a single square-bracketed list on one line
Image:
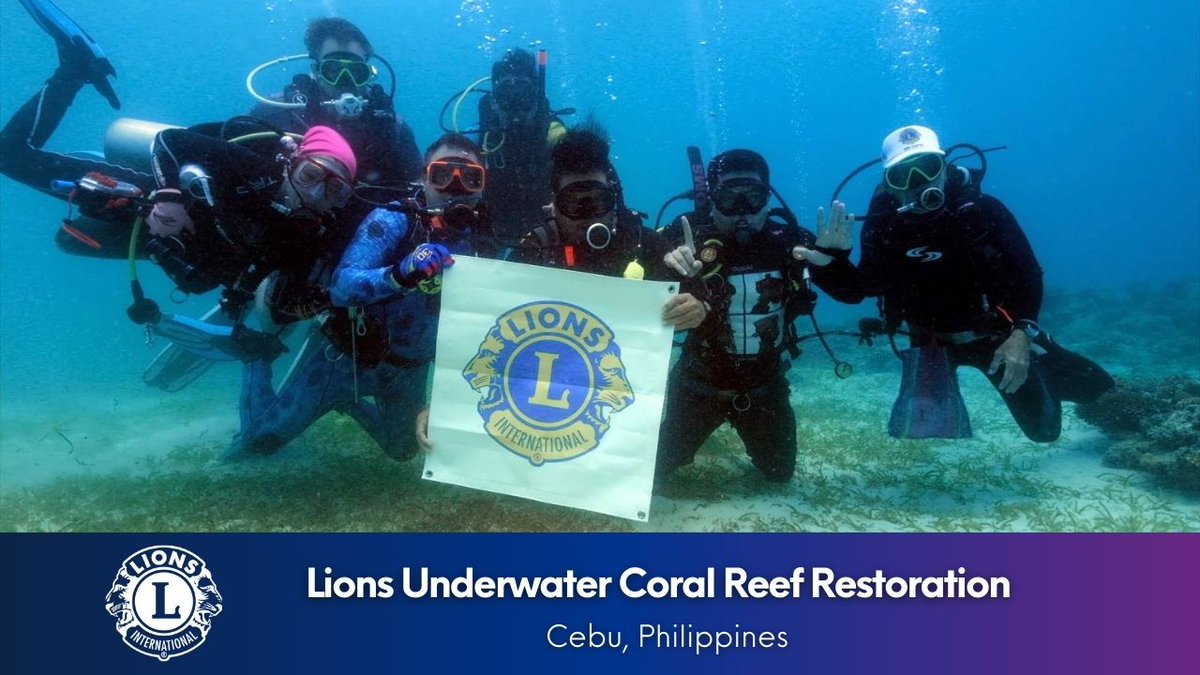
[(929, 404), (76, 49), (176, 367), (1069, 376), (218, 343), (206, 340)]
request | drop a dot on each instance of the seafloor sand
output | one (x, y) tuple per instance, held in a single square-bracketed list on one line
[(139, 460)]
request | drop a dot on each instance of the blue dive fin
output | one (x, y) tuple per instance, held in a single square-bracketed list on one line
[(76, 49), (216, 342), (175, 368), (207, 340), (929, 404)]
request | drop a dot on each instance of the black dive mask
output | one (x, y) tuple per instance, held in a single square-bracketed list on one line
[(515, 98), (585, 199), (741, 196)]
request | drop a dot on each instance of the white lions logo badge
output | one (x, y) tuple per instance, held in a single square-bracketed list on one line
[(164, 600), (551, 375)]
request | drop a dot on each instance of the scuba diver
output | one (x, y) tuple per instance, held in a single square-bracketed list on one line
[(108, 192), (517, 129), (383, 330), (589, 228), (342, 93), (732, 367), (954, 265), (592, 230), (229, 215)]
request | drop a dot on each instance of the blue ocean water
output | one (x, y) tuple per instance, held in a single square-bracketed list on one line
[(1097, 103)]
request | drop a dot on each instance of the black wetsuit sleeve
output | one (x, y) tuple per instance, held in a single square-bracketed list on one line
[(849, 283), (841, 280), (1012, 275), (22, 157)]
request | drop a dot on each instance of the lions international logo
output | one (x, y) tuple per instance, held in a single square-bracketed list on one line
[(164, 600), (550, 375), (909, 136)]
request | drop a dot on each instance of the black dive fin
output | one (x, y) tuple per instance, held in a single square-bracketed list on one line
[(1070, 376), (76, 48)]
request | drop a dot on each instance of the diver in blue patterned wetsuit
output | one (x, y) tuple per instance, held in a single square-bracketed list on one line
[(387, 296)]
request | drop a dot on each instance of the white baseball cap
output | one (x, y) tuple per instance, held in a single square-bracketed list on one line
[(908, 141)]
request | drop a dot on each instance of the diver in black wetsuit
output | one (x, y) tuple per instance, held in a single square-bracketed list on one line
[(517, 130), (342, 93), (732, 367), (592, 230), (955, 266), (228, 215)]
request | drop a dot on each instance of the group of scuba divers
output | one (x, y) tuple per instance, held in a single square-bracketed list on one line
[(316, 212)]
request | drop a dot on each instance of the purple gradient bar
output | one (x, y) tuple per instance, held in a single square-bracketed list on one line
[(1079, 604)]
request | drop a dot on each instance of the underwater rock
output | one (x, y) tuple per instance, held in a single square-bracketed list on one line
[(1156, 425)]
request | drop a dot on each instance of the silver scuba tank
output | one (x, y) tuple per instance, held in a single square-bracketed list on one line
[(128, 143)]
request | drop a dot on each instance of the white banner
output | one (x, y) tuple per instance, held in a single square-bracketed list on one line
[(549, 385)]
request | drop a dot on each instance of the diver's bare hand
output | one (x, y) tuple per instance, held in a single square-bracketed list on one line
[(683, 259), (1013, 354), (423, 431), (837, 233), (684, 311)]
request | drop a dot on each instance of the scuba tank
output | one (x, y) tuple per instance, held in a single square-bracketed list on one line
[(129, 143)]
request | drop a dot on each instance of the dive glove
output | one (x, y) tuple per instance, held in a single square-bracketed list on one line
[(425, 262)]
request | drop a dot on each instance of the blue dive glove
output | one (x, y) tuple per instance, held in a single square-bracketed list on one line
[(423, 263)]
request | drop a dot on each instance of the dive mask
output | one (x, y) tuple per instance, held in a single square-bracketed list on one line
[(345, 69), (514, 94), (914, 171), (320, 179), (585, 199), (741, 196), (441, 173)]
